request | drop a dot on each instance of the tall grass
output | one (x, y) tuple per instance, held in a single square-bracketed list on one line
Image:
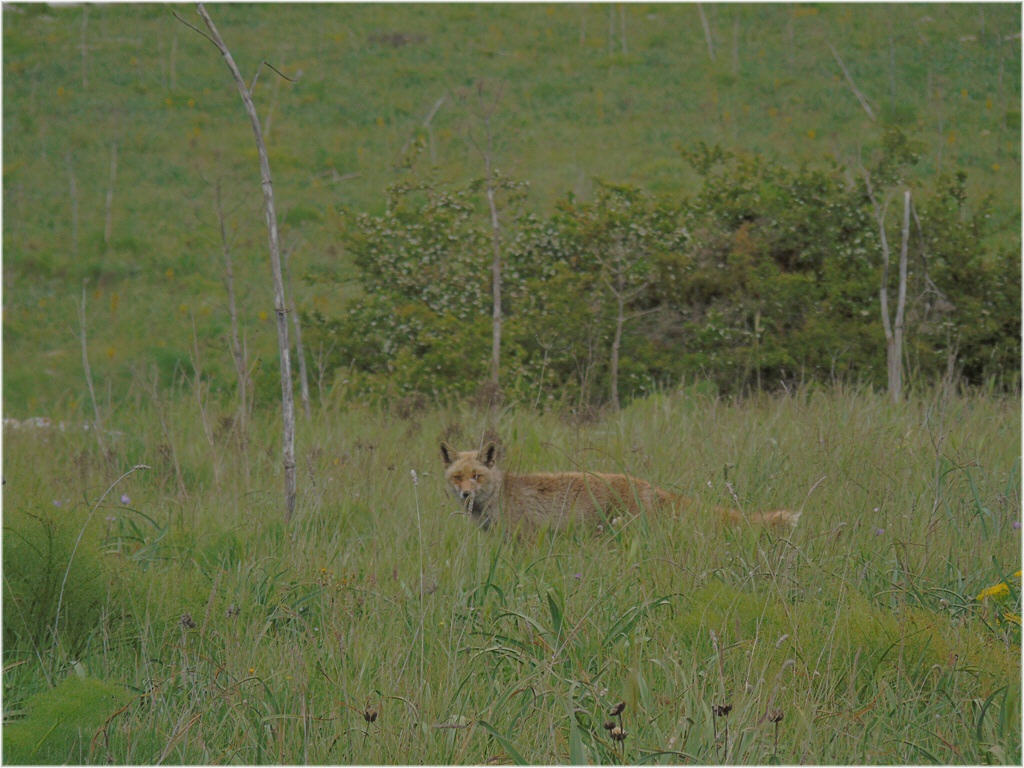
[(383, 627)]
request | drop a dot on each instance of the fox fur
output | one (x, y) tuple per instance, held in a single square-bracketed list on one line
[(558, 499)]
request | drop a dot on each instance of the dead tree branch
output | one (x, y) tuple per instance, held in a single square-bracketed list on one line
[(849, 80), (287, 399)]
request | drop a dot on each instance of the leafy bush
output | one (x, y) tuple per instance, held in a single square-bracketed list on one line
[(768, 276)]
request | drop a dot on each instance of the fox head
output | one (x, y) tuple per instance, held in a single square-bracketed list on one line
[(472, 477)]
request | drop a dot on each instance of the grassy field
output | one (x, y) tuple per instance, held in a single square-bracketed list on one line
[(157, 607), (195, 626), (587, 90)]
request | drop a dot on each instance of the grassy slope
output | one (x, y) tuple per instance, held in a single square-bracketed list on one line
[(578, 102), (862, 629)]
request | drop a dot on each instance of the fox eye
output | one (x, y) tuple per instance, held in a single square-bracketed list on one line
[(477, 476)]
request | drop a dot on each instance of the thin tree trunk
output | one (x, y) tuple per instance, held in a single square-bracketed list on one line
[(303, 379), (620, 320), (85, 48), (173, 64), (495, 266), (893, 327), (707, 31), (73, 189), (849, 81), (287, 400), (237, 354), (896, 360), (97, 423), (108, 226), (622, 28)]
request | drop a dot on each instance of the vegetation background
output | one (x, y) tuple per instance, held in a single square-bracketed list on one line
[(167, 613)]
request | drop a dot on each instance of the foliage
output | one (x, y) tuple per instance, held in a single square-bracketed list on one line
[(769, 275), (379, 627), (40, 572), (61, 722), (587, 94)]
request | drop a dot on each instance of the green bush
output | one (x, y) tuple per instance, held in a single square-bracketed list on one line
[(37, 552), (767, 277), (61, 722)]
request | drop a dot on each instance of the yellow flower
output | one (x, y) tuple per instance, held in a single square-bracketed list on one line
[(1012, 617), (997, 590)]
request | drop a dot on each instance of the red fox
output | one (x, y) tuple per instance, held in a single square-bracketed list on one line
[(559, 498)]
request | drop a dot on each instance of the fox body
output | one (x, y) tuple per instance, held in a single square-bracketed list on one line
[(557, 499)]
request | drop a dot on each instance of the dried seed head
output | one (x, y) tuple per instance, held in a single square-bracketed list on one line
[(617, 709), (721, 710), (370, 715), (775, 716), (609, 724), (618, 734), (186, 621)]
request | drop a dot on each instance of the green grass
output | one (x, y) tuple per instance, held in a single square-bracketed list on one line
[(242, 639), (577, 103), (246, 640)]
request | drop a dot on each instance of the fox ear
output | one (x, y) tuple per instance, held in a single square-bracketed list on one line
[(489, 454), (447, 453)]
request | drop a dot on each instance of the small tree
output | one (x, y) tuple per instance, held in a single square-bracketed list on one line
[(897, 155), (287, 400), (894, 328), (622, 231)]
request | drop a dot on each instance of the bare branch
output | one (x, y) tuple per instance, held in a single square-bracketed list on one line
[(280, 308), (194, 28), (849, 79)]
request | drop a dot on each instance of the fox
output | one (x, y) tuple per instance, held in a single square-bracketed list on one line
[(559, 499)]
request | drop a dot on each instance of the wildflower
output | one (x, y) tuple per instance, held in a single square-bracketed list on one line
[(1016, 525), (125, 499), (996, 591), (879, 531)]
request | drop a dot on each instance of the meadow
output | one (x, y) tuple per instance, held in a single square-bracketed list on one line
[(170, 615), (120, 123), (158, 608)]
